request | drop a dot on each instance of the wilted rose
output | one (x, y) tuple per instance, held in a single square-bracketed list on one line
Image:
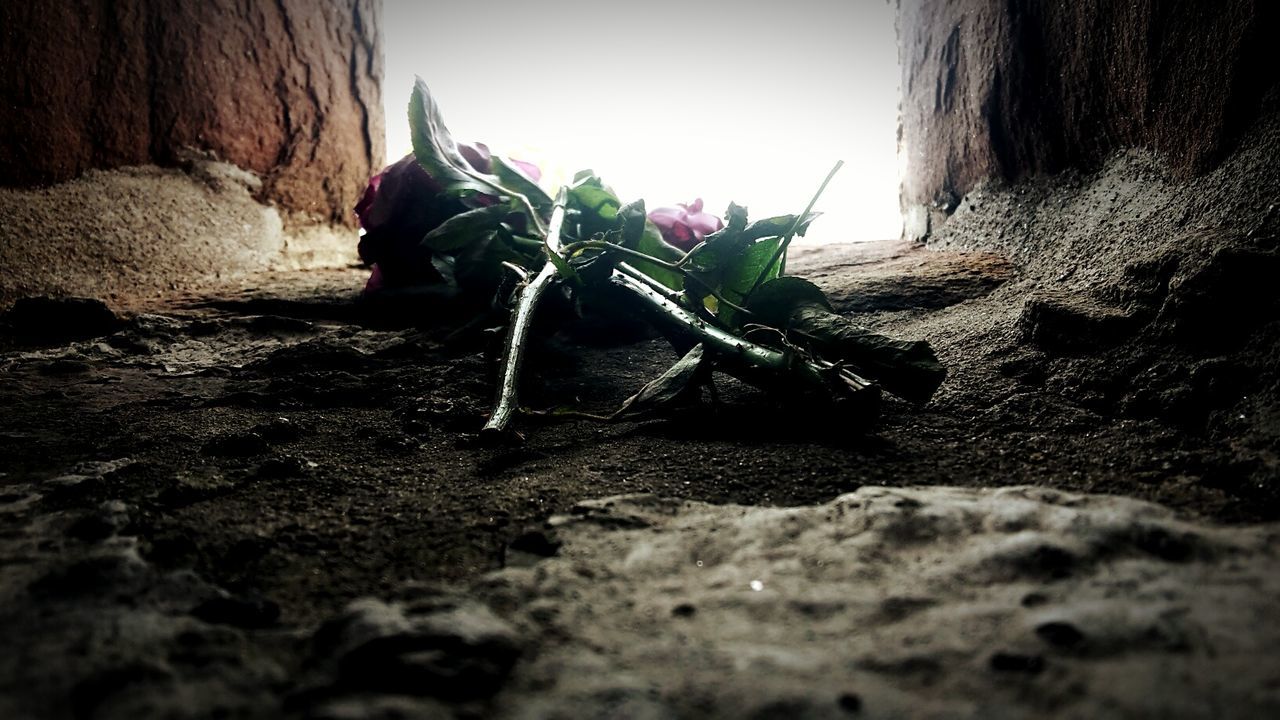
[(402, 204), (685, 225)]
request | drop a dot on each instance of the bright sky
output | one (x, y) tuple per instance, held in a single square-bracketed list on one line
[(670, 100)]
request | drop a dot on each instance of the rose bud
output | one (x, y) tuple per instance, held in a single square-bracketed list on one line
[(685, 225)]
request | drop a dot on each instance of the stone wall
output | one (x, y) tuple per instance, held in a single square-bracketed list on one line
[(288, 90), (1015, 89)]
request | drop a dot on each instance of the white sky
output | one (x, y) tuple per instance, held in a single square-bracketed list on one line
[(742, 101)]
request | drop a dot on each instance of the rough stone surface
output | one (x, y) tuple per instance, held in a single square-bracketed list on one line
[(289, 91), (441, 645), (67, 318), (928, 602), (891, 602), (267, 502), (1146, 293), (137, 232), (1019, 89), (266, 499), (892, 276)]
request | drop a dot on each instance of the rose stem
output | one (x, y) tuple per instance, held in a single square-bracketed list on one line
[(781, 252), (508, 403), (688, 276), (749, 361)]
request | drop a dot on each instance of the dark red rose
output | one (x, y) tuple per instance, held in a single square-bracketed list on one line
[(402, 204)]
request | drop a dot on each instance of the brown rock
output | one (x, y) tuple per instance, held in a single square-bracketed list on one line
[(1013, 90), (288, 90)]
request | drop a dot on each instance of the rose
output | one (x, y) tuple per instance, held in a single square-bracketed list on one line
[(402, 204), (479, 157), (685, 225)]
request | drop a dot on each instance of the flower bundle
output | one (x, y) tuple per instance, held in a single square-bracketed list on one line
[(717, 289)]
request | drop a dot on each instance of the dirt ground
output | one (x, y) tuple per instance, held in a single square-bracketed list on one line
[(288, 448)]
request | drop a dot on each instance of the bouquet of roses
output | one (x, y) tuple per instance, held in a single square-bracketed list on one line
[(455, 213)]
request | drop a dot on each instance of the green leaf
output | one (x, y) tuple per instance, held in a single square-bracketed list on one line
[(908, 369), (511, 177), (591, 196), (436, 150), (720, 247), (749, 264), (593, 209), (773, 301), (635, 232), (652, 244), (634, 220), (735, 219), (468, 227), (674, 385), (730, 260), (438, 154), (563, 267), (478, 268), (778, 226), (724, 260), (741, 274)]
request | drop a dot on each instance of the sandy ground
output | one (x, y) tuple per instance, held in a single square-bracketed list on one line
[(268, 498), (146, 231)]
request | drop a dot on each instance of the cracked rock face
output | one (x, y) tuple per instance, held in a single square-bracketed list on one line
[(1013, 90), (152, 145), (288, 91)]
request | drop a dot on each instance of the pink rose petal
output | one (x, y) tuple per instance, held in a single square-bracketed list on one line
[(685, 225), (528, 168), (477, 155)]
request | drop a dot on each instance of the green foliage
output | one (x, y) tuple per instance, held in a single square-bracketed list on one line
[(773, 301), (600, 215), (742, 272), (438, 154), (513, 178), (593, 208), (731, 261), (591, 197), (436, 150), (788, 337), (563, 268), (634, 219), (673, 386), (460, 230), (652, 244), (476, 268), (720, 247), (906, 368), (724, 247), (779, 225)]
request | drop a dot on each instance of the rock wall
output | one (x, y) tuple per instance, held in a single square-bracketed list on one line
[(138, 233), (1122, 157), (1015, 89), (288, 90)]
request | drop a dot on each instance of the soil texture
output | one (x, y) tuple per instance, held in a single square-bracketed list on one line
[(270, 499)]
